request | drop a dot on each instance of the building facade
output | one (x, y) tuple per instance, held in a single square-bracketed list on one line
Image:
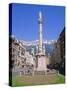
[(58, 55), (17, 52), (62, 50), (20, 60)]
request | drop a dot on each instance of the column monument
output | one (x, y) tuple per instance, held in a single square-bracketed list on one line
[(40, 56), (40, 33)]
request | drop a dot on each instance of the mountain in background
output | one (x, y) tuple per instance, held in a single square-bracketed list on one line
[(48, 45)]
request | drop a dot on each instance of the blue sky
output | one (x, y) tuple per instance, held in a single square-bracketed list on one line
[(25, 21)]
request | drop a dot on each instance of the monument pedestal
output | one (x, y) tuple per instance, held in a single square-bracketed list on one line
[(41, 63)]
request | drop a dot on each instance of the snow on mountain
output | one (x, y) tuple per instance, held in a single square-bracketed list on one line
[(28, 43)]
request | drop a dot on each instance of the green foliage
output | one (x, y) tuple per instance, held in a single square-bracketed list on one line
[(60, 79)]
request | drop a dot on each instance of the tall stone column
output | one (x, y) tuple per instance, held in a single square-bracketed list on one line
[(40, 33), (41, 56)]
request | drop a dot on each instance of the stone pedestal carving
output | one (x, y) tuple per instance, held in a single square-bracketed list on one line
[(41, 63)]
